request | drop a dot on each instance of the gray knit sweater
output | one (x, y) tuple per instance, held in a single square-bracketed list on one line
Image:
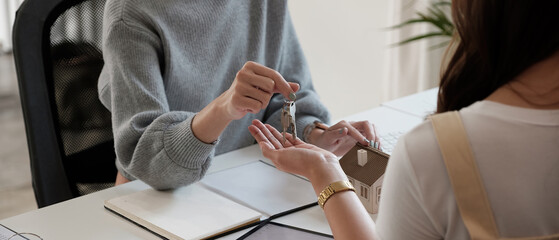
[(165, 60)]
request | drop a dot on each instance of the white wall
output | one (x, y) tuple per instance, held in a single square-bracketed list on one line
[(351, 53), (345, 43), (412, 67), (7, 15)]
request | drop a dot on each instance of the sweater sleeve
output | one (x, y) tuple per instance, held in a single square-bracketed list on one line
[(152, 143), (293, 67)]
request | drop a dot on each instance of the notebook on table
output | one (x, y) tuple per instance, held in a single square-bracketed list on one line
[(262, 187), (221, 202), (192, 212)]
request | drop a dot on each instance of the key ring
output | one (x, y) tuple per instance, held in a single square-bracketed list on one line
[(288, 118)]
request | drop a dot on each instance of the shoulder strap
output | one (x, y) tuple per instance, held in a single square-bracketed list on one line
[(462, 169)]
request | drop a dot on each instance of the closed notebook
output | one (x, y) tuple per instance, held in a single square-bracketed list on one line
[(262, 187), (192, 212)]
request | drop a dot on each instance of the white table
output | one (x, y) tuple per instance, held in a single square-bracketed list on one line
[(387, 120), (85, 217), (420, 104)]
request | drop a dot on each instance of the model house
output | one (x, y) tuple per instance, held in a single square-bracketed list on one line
[(365, 168)]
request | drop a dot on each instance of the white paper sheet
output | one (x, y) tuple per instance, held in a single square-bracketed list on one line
[(262, 187), (6, 233)]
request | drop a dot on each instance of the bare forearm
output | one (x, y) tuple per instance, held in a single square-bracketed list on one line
[(210, 122), (346, 216)]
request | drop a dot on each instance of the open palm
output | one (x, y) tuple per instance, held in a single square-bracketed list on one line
[(294, 156)]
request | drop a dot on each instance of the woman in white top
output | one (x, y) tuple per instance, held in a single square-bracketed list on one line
[(503, 78)]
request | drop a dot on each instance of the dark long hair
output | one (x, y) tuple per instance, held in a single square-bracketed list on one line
[(495, 41)]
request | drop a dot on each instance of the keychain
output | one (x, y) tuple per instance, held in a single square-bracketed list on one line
[(288, 118)]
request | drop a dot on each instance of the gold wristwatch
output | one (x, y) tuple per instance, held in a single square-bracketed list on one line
[(333, 188)]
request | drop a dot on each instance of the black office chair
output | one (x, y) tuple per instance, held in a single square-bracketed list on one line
[(58, 60)]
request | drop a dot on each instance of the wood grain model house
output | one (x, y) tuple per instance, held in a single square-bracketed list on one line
[(364, 167)]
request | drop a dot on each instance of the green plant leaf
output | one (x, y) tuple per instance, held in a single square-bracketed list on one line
[(443, 3), (411, 21), (439, 45), (427, 35), (434, 16)]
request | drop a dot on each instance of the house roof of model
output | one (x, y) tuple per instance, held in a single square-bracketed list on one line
[(371, 171)]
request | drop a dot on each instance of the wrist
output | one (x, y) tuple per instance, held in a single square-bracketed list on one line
[(313, 131), (208, 124), (221, 107), (333, 188), (325, 174)]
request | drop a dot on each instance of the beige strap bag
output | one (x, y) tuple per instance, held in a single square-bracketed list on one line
[(469, 192)]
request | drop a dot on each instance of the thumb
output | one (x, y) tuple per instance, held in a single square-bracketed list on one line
[(294, 86)]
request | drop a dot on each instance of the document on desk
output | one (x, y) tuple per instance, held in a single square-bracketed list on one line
[(191, 212), (262, 187), (6, 233)]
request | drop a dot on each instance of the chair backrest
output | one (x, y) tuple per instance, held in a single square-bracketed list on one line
[(56, 45)]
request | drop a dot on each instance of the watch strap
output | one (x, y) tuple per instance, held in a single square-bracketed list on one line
[(332, 189)]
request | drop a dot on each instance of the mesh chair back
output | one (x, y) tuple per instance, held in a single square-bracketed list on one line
[(58, 61), (84, 124)]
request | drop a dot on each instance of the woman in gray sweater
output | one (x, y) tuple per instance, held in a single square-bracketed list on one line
[(183, 80)]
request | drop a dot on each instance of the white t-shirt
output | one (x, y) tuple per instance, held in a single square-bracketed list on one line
[(517, 152)]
